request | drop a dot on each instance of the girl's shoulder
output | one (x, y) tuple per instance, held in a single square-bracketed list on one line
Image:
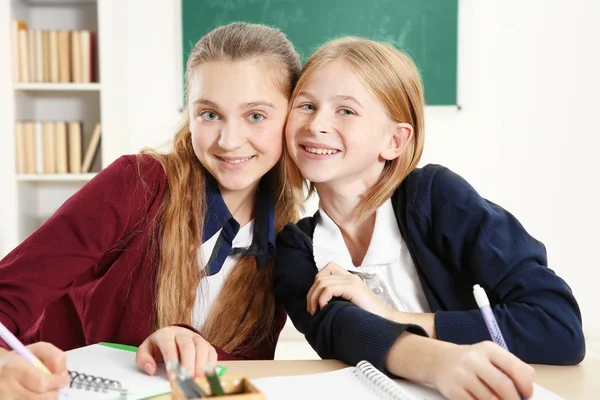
[(431, 184), (299, 234)]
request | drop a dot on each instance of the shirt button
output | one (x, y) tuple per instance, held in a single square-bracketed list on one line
[(377, 290)]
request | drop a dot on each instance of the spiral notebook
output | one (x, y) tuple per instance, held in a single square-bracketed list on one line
[(363, 382), (99, 372)]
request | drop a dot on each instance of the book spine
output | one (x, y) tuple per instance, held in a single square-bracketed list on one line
[(39, 148), (92, 149), (23, 55), (38, 59), (54, 63), (49, 148), (32, 59), (20, 147), (76, 56), (64, 56), (75, 147), (60, 136), (30, 151)]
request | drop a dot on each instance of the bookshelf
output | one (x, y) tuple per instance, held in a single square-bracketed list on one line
[(30, 198)]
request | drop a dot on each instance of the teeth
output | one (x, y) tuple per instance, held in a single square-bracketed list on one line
[(316, 150), (238, 161)]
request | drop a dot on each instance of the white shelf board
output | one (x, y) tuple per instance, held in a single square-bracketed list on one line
[(57, 87), (55, 177), (47, 3)]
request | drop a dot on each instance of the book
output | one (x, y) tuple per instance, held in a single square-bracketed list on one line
[(23, 56), (30, 147), (108, 371), (39, 148), (15, 55), (32, 62), (363, 382), (92, 149), (75, 147), (38, 59), (54, 58), (64, 56), (60, 141), (85, 54), (49, 147), (45, 56), (76, 57), (20, 145)]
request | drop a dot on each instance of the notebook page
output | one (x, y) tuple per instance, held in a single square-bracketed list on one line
[(343, 384), (340, 384), (114, 364)]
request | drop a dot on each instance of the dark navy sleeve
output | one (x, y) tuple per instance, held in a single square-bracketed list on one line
[(340, 330), (536, 310)]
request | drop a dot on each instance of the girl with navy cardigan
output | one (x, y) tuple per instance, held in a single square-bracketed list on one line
[(385, 270)]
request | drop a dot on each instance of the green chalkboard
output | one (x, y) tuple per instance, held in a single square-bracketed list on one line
[(425, 29)]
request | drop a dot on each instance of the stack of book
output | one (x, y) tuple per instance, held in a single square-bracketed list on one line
[(52, 55), (54, 147)]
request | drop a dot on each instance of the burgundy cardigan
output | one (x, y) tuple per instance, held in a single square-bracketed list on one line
[(86, 275)]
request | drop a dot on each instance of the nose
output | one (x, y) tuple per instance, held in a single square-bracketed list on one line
[(231, 137), (318, 124)]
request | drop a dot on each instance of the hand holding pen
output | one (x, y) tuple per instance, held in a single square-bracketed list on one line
[(32, 370)]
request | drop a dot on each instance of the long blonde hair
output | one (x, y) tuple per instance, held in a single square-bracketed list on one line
[(246, 303), (395, 80)]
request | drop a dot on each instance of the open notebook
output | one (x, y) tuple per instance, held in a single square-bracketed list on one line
[(99, 372), (363, 382)]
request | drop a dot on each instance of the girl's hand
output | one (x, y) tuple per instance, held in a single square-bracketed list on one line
[(176, 343), (481, 371), (335, 281), (20, 379)]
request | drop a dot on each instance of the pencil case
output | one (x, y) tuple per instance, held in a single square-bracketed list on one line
[(235, 388)]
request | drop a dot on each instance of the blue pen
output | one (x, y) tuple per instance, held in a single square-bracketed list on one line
[(488, 316)]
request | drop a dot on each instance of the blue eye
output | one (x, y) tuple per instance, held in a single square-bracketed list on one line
[(255, 117), (210, 116), (346, 111), (308, 107)]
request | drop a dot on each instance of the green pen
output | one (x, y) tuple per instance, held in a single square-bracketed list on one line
[(213, 381)]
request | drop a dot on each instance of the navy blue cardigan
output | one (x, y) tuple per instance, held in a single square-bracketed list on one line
[(456, 239)]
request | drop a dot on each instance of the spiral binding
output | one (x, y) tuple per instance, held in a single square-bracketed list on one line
[(379, 383), (95, 383)]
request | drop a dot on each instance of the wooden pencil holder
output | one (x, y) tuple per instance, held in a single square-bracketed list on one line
[(235, 388)]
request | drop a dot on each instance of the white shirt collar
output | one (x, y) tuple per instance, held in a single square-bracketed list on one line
[(329, 245)]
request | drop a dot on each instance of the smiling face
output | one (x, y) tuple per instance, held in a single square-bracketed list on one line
[(236, 118), (337, 131)]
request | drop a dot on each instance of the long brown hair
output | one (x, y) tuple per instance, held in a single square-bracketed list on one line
[(395, 80), (246, 303)]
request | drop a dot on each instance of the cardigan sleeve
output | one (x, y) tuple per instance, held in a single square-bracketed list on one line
[(90, 223), (536, 310), (340, 330)]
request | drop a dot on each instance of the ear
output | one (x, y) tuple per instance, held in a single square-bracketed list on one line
[(399, 136)]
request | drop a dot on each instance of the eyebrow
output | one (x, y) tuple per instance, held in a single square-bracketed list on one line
[(206, 102), (245, 105), (338, 97), (350, 98)]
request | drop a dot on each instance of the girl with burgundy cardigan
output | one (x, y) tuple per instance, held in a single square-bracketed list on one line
[(147, 248)]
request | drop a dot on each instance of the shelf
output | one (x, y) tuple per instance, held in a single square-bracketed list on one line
[(57, 87), (47, 3), (55, 177)]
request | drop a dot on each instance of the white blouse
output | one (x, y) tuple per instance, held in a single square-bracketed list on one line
[(387, 269), (210, 286)]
